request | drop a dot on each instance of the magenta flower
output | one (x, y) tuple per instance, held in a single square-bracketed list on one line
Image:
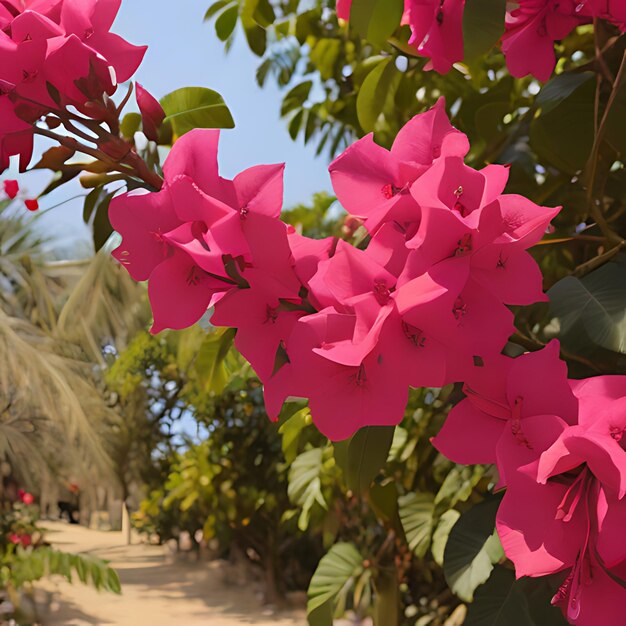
[(532, 29), (575, 477), (373, 183), (501, 395), (343, 9), (66, 44), (437, 31), (91, 21), (419, 306), (152, 113)]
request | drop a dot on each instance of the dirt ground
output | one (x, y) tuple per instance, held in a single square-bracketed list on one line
[(156, 589)]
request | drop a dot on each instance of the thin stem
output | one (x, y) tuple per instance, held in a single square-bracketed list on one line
[(596, 211)]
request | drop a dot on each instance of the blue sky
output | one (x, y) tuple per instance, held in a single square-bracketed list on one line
[(183, 51)]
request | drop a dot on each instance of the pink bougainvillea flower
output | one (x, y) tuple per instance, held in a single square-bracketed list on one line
[(195, 155), (180, 292), (531, 30), (77, 71), (91, 21), (142, 218), (575, 476), (437, 31), (373, 183), (152, 113), (500, 396), (11, 188), (350, 397), (263, 320), (343, 9)]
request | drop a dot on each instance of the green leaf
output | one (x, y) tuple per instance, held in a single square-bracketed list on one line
[(295, 123), (592, 307), (379, 85), (305, 485), (384, 500), (336, 572), (459, 484), (195, 107), (367, 454), (563, 135), (130, 124), (472, 549), (296, 97), (441, 534), (483, 25), (215, 8), (560, 88), (290, 432), (417, 517), (226, 22), (387, 599), (101, 225), (255, 34), (376, 20), (322, 615), (209, 366), (499, 602)]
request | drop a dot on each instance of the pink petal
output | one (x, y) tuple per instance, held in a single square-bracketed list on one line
[(540, 380), (469, 436), (429, 136), (142, 218), (195, 155), (180, 293), (260, 189)]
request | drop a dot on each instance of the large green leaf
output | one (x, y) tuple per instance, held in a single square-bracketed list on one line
[(560, 88), (563, 134), (417, 516), (441, 534), (195, 107), (376, 20), (209, 368), (305, 485), (593, 307), (378, 87), (335, 574), (472, 549), (483, 25), (499, 602), (367, 453)]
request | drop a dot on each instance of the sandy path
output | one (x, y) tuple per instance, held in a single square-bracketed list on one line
[(155, 592)]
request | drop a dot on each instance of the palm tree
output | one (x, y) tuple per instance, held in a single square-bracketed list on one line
[(56, 321)]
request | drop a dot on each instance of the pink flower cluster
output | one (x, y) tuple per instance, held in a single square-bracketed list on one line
[(350, 329), (531, 29), (560, 450), (54, 54)]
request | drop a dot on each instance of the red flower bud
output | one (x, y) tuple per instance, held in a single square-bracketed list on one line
[(11, 188), (28, 498), (152, 113)]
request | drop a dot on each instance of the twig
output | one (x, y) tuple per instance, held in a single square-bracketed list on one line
[(596, 211)]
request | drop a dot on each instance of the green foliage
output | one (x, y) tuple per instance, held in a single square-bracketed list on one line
[(195, 107), (592, 310), (335, 577), (472, 548), (28, 565)]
